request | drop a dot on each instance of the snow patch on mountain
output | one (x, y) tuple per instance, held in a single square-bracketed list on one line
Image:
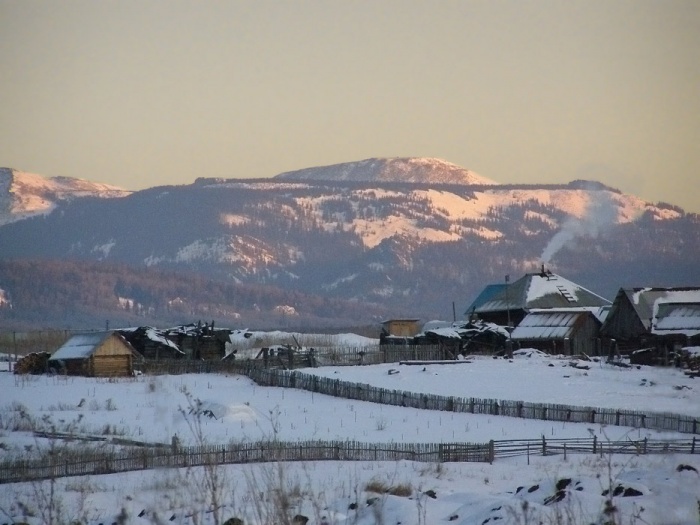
[(589, 212), (396, 169), (338, 282), (25, 194), (105, 248), (4, 299), (232, 219)]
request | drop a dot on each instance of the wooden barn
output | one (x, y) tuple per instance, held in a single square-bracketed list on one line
[(96, 354), (653, 317), (565, 331)]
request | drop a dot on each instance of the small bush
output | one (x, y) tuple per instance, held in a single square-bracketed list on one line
[(402, 490)]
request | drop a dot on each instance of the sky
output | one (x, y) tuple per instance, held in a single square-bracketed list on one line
[(153, 408), (146, 93)]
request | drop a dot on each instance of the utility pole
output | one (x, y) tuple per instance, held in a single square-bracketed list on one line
[(509, 343)]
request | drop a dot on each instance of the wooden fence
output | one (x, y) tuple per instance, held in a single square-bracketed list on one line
[(66, 462), (71, 463), (293, 359), (496, 407), (378, 354)]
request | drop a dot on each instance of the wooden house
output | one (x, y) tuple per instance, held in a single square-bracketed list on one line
[(499, 303), (96, 354), (653, 317), (565, 331)]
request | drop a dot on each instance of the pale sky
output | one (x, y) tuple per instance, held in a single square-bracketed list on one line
[(140, 93)]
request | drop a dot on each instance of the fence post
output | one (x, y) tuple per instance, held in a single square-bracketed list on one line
[(592, 416), (544, 446), (492, 451), (520, 409), (692, 446), (595, 443), (617, 418), (645, 445)]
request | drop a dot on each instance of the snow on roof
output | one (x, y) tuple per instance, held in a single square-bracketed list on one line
[(461, 329), (435, 324), (446, 332), (648, 303), (154, 336), (681, 318), (544, 284), (538, 290), (556, 324), (80, 346)]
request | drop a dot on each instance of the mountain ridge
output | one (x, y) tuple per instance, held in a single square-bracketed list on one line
[(427, 170), (24, 194), (410, 248)]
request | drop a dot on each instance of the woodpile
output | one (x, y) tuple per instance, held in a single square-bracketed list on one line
[(35, 363)]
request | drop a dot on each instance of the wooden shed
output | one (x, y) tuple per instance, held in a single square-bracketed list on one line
[(560, 331), (401, 327), (96, 354)]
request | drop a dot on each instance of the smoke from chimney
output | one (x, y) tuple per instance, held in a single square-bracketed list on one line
[(600, 215)]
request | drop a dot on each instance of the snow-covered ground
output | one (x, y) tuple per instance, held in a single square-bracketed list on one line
[(510, 491)]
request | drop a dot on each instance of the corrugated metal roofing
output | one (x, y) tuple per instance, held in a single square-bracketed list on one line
[(547, 325), (677, 317)]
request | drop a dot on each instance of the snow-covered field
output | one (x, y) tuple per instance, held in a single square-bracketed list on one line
[(510, 491)]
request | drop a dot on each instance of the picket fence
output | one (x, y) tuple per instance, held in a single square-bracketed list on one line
[(64, 462)]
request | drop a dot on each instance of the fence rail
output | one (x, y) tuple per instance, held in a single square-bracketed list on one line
[(62, 463)]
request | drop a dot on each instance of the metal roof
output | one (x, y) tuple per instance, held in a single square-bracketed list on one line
[(557, 324), (677, 318)]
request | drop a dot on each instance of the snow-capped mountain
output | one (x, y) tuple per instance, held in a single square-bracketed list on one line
[(412, 248), (399, 169), (24, 194)]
